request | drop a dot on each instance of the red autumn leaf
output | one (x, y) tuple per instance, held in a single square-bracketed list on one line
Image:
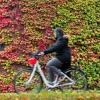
[(1, 1)]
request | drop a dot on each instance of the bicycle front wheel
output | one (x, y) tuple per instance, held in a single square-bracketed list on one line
[(22, 77), (79, 77)]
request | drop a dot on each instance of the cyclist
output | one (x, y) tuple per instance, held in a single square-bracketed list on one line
[(62, 60)]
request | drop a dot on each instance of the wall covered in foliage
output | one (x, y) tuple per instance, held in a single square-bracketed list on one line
[(26, 24)]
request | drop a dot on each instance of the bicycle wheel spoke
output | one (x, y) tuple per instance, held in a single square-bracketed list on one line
[(78, 77), (22, 77)]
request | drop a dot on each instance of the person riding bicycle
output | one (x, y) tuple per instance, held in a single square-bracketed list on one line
[(62, 60)]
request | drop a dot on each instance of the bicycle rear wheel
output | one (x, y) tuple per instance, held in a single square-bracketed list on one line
[(79, 77), (22, 76)]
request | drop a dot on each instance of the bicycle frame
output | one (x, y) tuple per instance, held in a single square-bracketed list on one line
[(37, 66)]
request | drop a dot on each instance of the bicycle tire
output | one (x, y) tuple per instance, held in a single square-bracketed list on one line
[(25, 74), (79, 77)]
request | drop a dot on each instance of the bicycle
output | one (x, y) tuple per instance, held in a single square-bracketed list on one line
[(33, 78)]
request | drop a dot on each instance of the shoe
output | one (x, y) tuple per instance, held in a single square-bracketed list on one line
[(49, 89), (60, 88)]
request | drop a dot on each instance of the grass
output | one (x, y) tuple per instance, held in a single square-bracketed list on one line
[(53, 95)]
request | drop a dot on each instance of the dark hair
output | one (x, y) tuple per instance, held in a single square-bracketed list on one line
[(59, 32)]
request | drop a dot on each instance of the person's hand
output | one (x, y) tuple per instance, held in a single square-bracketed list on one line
[(41, 53)]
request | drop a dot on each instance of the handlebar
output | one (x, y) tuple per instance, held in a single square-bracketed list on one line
[(35, 55)]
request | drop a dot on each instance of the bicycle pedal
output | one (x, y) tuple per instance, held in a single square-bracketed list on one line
[(61, 78)]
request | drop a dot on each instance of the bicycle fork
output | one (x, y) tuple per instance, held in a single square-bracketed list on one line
[(31, 76)]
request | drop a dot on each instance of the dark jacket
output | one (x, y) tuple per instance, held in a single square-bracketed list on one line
[(62, 50)]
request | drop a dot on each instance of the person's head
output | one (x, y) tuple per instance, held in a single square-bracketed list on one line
[(58, 32)]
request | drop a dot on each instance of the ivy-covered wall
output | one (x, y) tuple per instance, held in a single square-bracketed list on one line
[(25, 25)]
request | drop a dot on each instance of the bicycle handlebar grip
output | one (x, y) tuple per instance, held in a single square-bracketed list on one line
[(35, 55)]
